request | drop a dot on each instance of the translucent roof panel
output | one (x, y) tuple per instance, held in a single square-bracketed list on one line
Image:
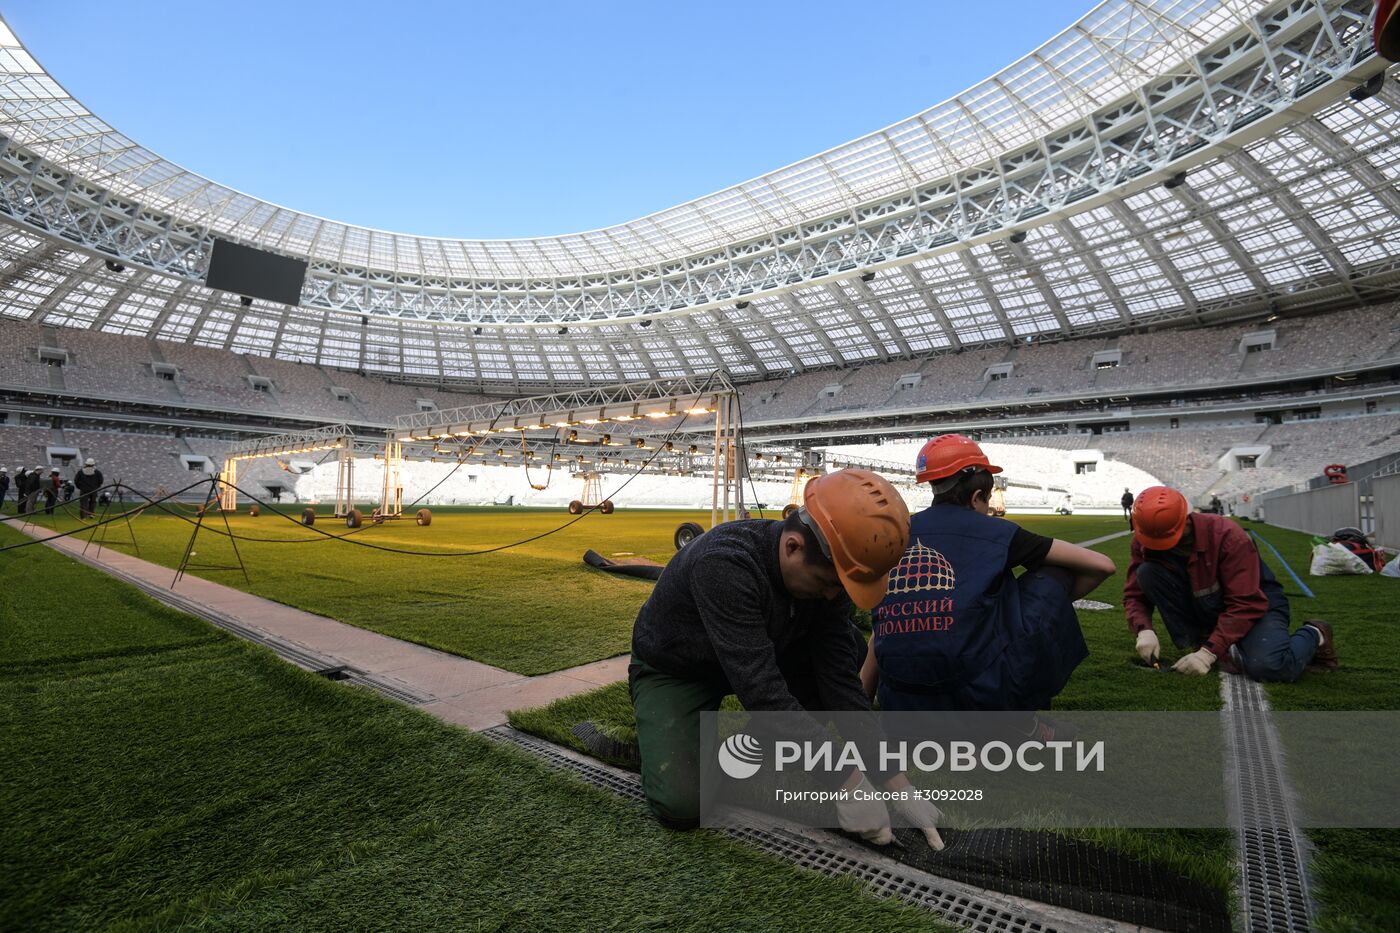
[(1113, 49)]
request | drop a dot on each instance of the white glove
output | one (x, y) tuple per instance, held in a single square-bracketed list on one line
[(923, 814), (867, 817), (1148, 647), (1197, 662)]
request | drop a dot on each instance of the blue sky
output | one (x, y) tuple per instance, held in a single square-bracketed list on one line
[(500, 119)]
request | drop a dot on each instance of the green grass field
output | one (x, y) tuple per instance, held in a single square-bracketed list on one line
[(531, 609), (1357, 871), (538, 608), (159, 773)]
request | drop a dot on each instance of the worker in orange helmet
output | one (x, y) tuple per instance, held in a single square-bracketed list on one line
[(1204, 576), (761, 609), (958, 631)]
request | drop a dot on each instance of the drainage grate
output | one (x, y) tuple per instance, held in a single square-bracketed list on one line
[(1273, 850), (963, 904), (393, 689)]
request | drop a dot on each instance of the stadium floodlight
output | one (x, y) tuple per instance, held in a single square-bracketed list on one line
[(741, 305), (476, 331), (114, 266), (1018, 237), (563, 330), (1176, 181), (868, 276)]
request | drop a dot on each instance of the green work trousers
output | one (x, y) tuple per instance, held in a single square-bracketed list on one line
[(668, 736)]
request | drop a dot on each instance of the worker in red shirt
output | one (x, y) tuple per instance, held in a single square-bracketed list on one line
[(1214, 592)]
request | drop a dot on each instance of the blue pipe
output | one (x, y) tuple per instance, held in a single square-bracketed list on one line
[(1301, 585)]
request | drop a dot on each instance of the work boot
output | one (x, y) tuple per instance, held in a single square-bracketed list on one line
[(1325, 658)]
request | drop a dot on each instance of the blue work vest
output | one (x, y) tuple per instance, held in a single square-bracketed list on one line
[(949, 611)]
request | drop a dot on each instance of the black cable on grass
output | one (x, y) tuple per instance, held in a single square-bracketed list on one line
[(237, 537), (83, 529), (502, 547)]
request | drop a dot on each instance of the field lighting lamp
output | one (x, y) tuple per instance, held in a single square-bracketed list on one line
[(868, 277)]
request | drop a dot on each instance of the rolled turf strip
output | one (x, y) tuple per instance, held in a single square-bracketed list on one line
[(643, 570)]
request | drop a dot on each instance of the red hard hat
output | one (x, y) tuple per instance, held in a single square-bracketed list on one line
[(948, 454), (1159, 518)]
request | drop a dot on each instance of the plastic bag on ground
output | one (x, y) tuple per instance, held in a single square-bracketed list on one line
[(1332, 559), (1392, 569)]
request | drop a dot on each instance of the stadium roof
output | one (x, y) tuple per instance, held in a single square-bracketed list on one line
[(1031, 204)]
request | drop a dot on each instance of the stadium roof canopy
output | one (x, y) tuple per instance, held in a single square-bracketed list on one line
[(1043, 202)]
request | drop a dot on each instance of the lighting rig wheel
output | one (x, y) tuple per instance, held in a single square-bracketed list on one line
[(353, 518), (576, 507), (254, 511), (424, 517), (686, 533), (308, 516), (789, 509), (606, 507)]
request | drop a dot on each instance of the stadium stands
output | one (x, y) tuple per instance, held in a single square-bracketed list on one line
[(117, 367), (1158, 360)]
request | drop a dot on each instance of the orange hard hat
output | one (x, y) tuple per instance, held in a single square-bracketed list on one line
[(948, 455), (1159, 517), (862, 525)]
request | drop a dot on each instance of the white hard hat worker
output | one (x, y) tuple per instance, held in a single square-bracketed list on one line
[(89, 462)]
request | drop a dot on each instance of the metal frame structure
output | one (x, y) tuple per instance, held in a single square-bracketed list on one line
[(772, 276), (612, 418), (338, 437)]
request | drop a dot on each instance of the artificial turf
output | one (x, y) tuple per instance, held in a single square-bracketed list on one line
[(1356, 871), (531, 609), (159, 773)]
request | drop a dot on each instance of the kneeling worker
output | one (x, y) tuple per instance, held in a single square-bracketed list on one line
[(958, 631), (1206, 578), (759, 609)]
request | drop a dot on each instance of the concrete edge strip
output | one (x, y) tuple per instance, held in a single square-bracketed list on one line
[(317, 663), (1275, 890), (962, 904)]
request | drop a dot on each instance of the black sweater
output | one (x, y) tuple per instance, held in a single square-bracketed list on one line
[(720, 612)]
